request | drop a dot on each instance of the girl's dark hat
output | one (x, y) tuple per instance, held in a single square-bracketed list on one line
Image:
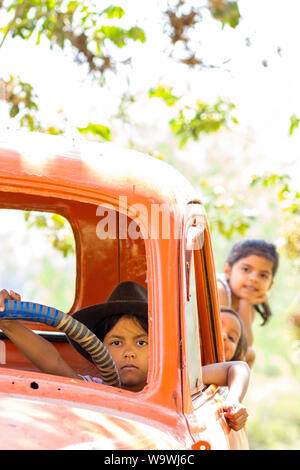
[(127, 297)]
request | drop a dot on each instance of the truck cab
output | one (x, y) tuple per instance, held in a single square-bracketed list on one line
[(133, 218)]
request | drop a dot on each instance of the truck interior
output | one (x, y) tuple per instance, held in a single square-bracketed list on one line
[(90, 273), (102, 258)]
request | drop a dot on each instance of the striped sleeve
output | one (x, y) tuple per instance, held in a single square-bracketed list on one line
[(88, 378)]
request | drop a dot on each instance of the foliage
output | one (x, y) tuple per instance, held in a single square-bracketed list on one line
[(94, 35), (182, 20), (226, 11), (22, 104), (284, 413), (274, 423), (19, 95), (294, 123), (58, 230), (165, 94), (91, 32), (192, 123), (228, 215), (21, 100), (289, 205), (61, 283), (103, 132), (75, 23)]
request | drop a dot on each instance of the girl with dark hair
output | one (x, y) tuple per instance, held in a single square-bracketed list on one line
[(248, 275), (235, 343)]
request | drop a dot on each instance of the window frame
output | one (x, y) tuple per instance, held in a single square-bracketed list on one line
[(208, 308), (194, 376)]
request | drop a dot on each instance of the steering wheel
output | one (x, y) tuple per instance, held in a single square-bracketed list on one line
[(77, 331)]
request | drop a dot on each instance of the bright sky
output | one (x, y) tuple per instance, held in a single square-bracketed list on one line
[(265, 97)]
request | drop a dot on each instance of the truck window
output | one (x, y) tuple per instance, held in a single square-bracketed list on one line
[(201, 327), (34, 263), (192, 326)]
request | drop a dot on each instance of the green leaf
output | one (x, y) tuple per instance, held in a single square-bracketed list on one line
[(27, 215), (114, 12), (59, 221), (192, 123), (40, 221), (165, 94), (72, 6), (226, 11), (14, 110), (115, 34), (137, 34), (96, 129), (294, 123)]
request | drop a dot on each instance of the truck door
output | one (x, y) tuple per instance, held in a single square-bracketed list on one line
[(202, 343)]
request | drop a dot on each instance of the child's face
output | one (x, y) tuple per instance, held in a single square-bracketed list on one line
[(250, 278), (231, 330), (127, 343)]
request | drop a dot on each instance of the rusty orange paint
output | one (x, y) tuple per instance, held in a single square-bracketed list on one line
[(39, 411)]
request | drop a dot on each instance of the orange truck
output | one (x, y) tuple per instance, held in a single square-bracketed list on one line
[(133, 218)]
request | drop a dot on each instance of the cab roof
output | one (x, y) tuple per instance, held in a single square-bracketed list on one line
[(31, 159)]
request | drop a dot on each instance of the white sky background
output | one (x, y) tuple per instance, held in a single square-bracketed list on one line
[(265, 97)]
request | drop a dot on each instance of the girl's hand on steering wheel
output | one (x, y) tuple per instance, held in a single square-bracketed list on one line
[(5, 295)]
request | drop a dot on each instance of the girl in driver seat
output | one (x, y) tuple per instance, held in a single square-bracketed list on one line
[(121, 323)]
